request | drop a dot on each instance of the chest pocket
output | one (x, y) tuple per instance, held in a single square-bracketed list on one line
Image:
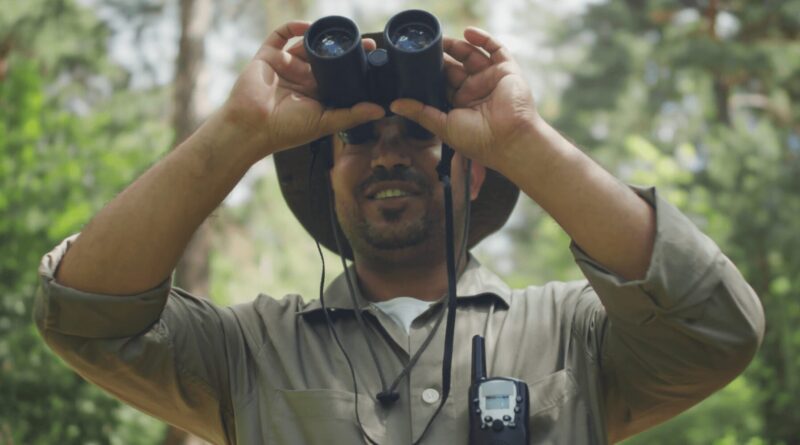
[(321, 416), (554, 412)]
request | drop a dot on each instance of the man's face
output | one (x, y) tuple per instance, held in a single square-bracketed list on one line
[(388, 197)]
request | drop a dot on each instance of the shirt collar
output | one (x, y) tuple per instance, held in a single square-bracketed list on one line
[(476, 282)]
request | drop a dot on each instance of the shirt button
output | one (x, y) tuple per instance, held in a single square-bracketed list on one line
[(430, 396)]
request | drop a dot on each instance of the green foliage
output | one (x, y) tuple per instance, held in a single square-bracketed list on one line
[(702, 102), (66, 144), (711, 422)]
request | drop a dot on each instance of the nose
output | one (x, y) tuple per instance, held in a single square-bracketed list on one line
[(389, 156), (390, 149)]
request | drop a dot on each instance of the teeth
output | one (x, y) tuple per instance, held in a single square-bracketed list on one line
[(390, 193)]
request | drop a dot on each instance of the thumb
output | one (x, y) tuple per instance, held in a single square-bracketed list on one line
[(431, 118), (338, 119)]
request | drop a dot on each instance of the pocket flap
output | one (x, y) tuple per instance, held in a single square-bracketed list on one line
[(551, 390)]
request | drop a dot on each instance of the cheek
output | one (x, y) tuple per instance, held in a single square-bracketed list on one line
[(433, 153), (339, 187), (345, 175), (426, 162), (342, 197)]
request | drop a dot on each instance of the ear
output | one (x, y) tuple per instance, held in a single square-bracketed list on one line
[(477, 176)]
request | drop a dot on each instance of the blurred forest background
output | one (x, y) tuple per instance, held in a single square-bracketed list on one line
[(698, 97)]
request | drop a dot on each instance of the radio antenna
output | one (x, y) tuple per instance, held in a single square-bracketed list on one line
[(478, 359)]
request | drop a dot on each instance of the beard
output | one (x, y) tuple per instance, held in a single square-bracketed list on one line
[(399, 236), (394, 230)]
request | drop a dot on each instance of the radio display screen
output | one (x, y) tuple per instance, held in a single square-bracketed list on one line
[(496, 402)]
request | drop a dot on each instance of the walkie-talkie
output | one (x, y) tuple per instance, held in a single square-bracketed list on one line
[(498, 406)]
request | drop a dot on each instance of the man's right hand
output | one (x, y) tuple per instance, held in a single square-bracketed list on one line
[(274, 101)]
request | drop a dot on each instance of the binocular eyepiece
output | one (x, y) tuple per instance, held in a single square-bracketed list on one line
[(408, 63)]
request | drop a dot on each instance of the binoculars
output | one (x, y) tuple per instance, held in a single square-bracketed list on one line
[(408, 63)]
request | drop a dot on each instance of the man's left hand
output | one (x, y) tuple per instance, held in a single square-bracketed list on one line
[(493, 108)]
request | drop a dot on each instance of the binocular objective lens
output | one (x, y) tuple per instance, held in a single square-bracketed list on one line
[(333, 43), (413, 37)]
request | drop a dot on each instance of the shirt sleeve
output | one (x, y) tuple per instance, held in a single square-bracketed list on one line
[(163, 351), (684, 331)]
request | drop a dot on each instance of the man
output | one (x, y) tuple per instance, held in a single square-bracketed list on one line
[(664, 320)]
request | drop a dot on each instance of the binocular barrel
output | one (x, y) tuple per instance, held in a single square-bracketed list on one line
[(408, 64), (414, 44), (338, 61)]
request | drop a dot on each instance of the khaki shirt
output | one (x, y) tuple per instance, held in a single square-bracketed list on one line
[(603, 358)]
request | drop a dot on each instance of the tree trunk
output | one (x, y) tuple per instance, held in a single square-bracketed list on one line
[(189, 108)]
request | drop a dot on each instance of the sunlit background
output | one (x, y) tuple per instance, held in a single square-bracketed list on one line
[(697, 97)]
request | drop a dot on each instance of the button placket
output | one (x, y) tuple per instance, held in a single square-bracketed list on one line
[(425, 377)]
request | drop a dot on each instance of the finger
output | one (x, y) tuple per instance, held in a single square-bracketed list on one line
[(338, 119), (431, 118), (299, 50), (289, 67), (478, 86), (473, 58), (290, 64), (454, 71), (482, 39), (369, 44), (279, 37), (308, 89)]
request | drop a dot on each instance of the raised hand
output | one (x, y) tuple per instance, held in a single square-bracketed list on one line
[(274, 101), (493, 107)]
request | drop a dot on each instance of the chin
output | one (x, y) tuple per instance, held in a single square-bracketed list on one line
[(406, 247), (397, 242), (419, 254), (395, 237)]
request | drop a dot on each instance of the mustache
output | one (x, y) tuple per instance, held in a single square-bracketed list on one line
[(397, 173)]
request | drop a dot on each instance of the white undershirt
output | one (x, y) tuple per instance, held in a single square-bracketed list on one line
[(403, 310)]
